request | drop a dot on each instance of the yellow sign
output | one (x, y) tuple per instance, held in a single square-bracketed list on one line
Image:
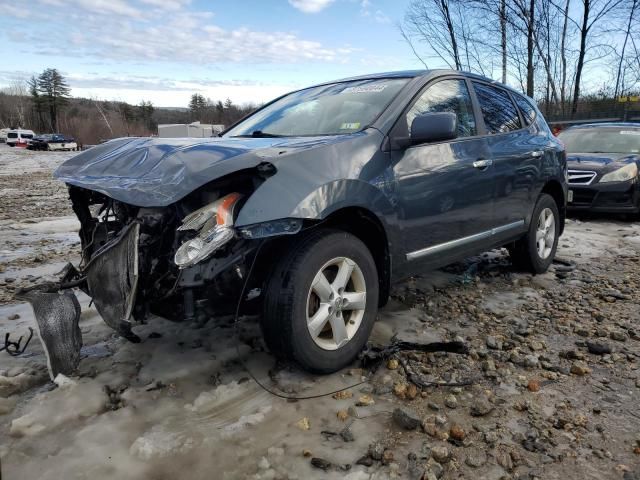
[(630, 98)]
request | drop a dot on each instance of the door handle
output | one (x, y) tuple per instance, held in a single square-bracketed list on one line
[(537, 153), (482, 164)]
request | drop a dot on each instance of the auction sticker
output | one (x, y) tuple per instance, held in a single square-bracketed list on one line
[(365, 89)]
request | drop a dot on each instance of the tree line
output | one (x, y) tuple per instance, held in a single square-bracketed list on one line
[(43, 103), (544, 47), (206, 110)]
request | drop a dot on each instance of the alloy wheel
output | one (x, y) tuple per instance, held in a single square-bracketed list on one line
[(336, 303), (545, 233)]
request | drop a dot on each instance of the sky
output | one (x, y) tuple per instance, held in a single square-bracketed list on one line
[(163, 51)]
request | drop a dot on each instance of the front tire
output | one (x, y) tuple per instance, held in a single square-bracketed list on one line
[(321, 301), (536, 250)]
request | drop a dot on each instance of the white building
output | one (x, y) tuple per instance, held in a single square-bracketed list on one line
[(193, 130)]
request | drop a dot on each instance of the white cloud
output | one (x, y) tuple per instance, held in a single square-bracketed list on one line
[(117, 7), (240, 94), (167, 4), (310, 6), (368, 10), (180, 37)]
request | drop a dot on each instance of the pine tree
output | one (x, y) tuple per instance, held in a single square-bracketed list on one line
[(145, 113), (197, 105), (37, 101), (54, 91)]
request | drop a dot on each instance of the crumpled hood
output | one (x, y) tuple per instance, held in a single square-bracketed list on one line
[(156, 172), (599, 162)]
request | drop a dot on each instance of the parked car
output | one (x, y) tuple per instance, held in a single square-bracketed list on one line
[(315, 204), (55, 141), (603, 162), (19, 137)]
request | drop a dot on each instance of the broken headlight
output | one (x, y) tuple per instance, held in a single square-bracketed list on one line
[(215, 223)]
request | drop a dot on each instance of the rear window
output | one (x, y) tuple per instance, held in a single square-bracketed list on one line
[(601, 140), (528, 111), (12, 135), (499, 113)]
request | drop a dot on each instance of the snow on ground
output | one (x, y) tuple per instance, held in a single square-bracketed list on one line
[(20, 161), (181, 404)]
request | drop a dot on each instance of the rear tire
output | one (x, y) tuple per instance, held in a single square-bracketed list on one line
[(321, 301), (536, 250)]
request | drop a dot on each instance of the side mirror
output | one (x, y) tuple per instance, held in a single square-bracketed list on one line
[(434, 127)]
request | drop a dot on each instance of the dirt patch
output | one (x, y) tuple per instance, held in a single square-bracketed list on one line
[(549, 388)]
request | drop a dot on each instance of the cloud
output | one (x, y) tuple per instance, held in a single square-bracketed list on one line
[(117, 7), (159, 90), (148, 83), (182, 36), (310, 6), (367, 9), (167, 4)]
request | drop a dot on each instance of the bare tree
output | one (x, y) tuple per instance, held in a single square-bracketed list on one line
[(432, 22), (593, 13), (502, 13), (633, 11)]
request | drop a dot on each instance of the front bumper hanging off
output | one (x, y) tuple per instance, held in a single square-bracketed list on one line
[(110, 278)]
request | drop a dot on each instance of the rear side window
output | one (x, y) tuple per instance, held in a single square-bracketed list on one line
[(27, 135), (12, 135), (499, 112), (447, 96), (527, 110)]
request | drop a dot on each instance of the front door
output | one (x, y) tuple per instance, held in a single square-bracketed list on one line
[(444, 190)]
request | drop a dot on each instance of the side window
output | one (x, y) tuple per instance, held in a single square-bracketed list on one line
[(447, 96), (499, 113), (528, 111)]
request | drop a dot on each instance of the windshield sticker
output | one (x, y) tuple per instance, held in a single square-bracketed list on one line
[(630, 132), (365, 89), (350, 126)]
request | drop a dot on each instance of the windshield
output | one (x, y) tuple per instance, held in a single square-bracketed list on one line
[(334, 109), (602, 140)]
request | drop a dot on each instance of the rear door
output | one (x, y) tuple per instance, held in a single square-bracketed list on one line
[(516, 150), (444, 190)]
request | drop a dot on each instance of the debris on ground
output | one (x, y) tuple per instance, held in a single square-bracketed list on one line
[(477, 371)]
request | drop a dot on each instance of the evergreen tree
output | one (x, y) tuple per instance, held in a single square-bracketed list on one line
[(197, 106), (145, 113), (37, 102), (54, 91)]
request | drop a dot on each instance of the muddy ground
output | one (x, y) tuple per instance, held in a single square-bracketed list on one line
[(549, 389)]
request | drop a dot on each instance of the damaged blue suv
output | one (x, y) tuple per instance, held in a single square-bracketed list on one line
[(311, 207)]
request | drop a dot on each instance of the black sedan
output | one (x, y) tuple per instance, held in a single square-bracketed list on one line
[(603, 163), (54, 141)]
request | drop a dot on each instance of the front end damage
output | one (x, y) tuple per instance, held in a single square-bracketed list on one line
[(185, 261)]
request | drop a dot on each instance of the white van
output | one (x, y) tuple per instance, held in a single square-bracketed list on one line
[(19, 135)]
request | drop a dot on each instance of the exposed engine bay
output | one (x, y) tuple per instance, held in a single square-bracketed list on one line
[(185, 261)]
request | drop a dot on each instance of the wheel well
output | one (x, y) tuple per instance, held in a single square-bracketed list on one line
[(554, 189), (365, 225)]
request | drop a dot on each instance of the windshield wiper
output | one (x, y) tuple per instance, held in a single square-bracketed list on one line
[(260, 134)]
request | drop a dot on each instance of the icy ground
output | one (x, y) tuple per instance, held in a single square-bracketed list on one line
[(181, 405)]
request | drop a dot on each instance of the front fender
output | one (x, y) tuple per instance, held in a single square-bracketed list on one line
[(274, 201)]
